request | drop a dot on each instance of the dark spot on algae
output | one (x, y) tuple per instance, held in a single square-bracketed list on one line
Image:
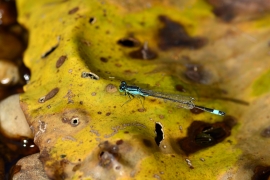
[(225, 12), (173, 35), (196, 111), (65, 120), (119, 142), (230, 121), (130, 72), (44, 155), (144, 53), (129, 42), (108, 153), (266, 132), (60, 61), (103, 59), (147, 143), (261, 173), (50, 95), (105, 159), (141, 110), (202, 135), (117, 167), (118, 65), (86, 42), (92, 20), (180, 88), (76, 167), (108, 113), (161, 116), (195, 73), (73, 10)]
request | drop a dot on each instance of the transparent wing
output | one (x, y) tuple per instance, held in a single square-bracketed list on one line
[(183, 101)]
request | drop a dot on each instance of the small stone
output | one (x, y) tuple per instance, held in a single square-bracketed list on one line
[(9, 74), (12, 120), (11, 47), (8, 13)]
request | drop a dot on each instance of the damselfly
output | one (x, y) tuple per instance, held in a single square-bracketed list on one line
[(184, 101)]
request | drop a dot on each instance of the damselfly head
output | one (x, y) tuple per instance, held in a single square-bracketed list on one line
[(122, 86)]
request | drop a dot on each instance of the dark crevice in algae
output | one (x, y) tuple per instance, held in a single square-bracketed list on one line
[(261, 173), (46, 54), (159, 133), (173, 34), (129, 42), (144, 53), (202, 135)]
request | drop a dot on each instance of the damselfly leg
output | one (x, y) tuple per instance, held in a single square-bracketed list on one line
[(131, 97)]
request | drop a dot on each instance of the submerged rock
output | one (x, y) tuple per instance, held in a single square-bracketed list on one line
[(11, 47), (12, 120), (9, 74)]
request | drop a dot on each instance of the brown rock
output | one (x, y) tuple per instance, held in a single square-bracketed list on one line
[(10, 46), (12, 120), (29, 168), (9, 73), (8, 13)]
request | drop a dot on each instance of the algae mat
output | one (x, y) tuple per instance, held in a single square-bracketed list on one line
[(80, 51)]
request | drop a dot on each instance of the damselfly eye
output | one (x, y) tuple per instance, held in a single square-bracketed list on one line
[(122, 86)]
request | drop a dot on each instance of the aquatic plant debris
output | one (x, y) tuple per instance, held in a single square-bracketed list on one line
[(83, 132)]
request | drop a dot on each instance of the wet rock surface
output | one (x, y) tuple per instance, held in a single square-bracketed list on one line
[(29, 168), (15, 135), (8, 13), (9, 74), (13, 123), (11, 47)]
